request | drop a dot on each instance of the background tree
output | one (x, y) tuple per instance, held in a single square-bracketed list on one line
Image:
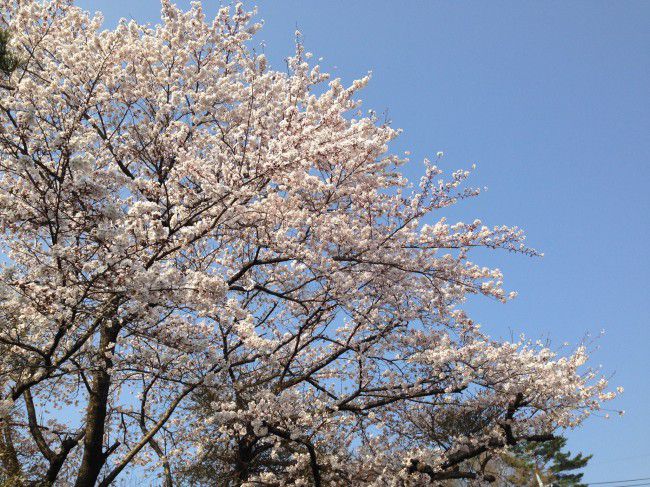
[(549, 460), (8, 60), (179, 221)]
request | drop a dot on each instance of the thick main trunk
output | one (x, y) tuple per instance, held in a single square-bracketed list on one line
[(93, 457), (8, 456), (245, 455)]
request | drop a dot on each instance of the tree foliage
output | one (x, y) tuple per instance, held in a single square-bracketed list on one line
[(549, 460), (183, 225), (8, 59)]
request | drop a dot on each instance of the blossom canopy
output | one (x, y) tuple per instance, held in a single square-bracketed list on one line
[(206, 259)]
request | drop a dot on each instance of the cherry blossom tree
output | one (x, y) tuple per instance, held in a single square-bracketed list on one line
[(203, 256)]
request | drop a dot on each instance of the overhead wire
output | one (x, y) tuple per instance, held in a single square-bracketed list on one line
[(620, 481), (631, 485)]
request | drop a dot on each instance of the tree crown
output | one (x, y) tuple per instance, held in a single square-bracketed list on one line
[(181, 223)]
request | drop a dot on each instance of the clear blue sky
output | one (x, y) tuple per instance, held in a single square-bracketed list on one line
[(552, 101)]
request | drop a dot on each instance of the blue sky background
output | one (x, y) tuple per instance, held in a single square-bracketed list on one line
[(552, 101)]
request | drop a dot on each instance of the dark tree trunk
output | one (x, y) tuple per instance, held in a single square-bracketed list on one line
[(245, 455), (8, 456), (93, 457)]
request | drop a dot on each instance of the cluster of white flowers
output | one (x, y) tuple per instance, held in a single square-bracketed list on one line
[(215, 261)]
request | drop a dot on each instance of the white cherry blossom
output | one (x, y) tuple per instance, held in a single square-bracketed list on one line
[(203, 254)]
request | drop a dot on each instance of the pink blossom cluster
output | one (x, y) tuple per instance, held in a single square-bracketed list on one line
[(207, 258)]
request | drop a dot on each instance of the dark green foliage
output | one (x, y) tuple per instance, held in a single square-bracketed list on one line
[(555, 466), (8, 61)]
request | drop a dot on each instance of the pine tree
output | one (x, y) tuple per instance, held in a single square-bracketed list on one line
[(555, 466), (8, 60)]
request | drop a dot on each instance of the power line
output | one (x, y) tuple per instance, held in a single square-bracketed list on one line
[(619, 481)]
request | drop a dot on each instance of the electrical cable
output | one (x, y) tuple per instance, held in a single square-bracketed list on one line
[(620, 481)]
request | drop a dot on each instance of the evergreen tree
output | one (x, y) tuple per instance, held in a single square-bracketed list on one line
[(555, 466), (8, 61)]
